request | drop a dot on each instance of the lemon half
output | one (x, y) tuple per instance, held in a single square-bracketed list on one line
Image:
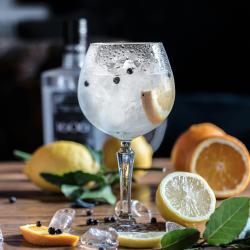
[(185, 198)]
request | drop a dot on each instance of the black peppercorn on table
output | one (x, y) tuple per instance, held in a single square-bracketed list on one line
[(21, 202)]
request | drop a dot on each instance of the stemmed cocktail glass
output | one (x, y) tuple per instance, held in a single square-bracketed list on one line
[(126, 90)]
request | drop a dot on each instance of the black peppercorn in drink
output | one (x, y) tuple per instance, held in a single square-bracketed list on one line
[(130, 89), (130, 92)]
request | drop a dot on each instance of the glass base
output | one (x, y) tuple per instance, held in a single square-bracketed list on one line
[(139, 211), (124, 224)]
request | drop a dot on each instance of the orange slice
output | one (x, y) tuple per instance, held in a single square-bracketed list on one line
[(224, 162), (40, 236), (157, 104)]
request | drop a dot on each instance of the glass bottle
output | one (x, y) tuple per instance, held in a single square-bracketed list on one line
[(62, 117)]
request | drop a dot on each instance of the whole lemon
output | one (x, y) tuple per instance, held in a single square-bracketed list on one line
[(143, 153), (58, 158)]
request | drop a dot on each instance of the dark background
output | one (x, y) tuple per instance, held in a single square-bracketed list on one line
[(207, 43)]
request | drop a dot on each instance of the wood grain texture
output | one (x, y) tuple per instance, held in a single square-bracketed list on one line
[(33, 204)]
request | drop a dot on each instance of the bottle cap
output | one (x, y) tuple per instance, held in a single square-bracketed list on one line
[(74, 31)]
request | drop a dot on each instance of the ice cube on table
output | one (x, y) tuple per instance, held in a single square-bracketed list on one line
[(100, 236), (139, 211), (63, 219), (171, 226)]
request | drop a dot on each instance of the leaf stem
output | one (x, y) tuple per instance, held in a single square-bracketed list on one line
[(201, 244), (154, 169), (22, 155)]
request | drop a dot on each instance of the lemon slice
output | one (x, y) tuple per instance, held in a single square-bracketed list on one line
[(185, 198), (140, 240), (40, 236), (157, 104)]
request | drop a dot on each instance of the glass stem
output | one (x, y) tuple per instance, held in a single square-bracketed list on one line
[(125, 158)]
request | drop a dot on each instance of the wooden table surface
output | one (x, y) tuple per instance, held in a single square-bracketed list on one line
[(33, 204)]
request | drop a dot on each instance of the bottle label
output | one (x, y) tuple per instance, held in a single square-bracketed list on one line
[(69, 121)]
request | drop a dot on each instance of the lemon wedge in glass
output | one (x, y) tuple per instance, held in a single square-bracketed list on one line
[(157, 104)]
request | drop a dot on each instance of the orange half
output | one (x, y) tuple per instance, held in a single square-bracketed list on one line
[(224, 162)]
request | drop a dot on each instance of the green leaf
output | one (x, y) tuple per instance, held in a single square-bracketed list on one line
[(72, 185), (52, 178), (22, 155), (180, 239), (71, 191), (227, 222), (78, 203), (103, 194), (80, 178), (73, 178)]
